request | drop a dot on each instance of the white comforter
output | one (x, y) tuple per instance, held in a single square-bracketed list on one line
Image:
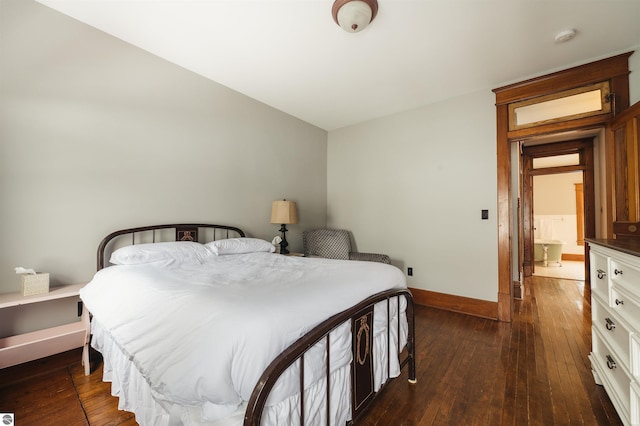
[(202, 334)]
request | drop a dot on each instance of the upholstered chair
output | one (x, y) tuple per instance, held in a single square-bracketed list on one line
[(336, 244)]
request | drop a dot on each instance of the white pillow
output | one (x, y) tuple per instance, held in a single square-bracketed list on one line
[(240, 246), (183, 251)]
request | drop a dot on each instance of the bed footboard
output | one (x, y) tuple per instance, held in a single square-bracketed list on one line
[(362, 382)]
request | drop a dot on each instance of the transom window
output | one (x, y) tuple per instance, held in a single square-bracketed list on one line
[(566, 105)]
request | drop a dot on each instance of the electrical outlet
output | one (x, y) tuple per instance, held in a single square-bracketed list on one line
[(410, 271)]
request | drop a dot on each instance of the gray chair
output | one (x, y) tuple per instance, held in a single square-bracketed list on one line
[(336, 244)]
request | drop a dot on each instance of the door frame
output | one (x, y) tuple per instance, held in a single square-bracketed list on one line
[(616, 71), (585, 149)]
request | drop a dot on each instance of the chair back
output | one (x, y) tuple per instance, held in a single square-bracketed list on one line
[(327, 243)]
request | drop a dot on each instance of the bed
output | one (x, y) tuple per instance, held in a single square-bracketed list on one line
[(198, 324)]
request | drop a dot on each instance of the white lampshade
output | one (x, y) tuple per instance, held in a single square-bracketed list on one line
[(284, 212), (354, 15)]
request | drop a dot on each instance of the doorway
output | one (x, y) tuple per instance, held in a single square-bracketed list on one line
[(544, 235), (558, 225), (509, 100)]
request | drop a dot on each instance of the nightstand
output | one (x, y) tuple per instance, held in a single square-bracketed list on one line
[(49, 341), (295, 254)]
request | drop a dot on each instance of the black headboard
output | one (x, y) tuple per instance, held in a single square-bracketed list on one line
[(197, 232)]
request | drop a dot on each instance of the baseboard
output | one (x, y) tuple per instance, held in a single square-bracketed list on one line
[(449, 302), (518, 290), (571, 256)]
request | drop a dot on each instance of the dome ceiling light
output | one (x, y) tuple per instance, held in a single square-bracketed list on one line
[(354, 15)]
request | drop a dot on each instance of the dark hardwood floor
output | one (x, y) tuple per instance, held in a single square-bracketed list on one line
[(471, 371)]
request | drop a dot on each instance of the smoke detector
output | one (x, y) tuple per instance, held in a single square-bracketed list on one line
[(564, 36)]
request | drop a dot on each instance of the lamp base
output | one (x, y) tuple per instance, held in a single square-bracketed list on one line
[(284, 243)]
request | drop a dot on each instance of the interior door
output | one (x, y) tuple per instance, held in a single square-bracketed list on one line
[(517, 265), (624, 135), (527, 215)]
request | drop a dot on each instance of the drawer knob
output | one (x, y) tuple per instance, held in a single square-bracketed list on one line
[(609, 324), (617, 272), (619, 302), (601, 274), (611, 363)]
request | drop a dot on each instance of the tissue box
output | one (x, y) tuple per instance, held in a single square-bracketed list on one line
[(35, 284)]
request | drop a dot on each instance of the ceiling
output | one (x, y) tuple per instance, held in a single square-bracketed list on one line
[(289, 54)]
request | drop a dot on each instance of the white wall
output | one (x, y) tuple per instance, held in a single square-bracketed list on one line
[(98, 135), (634, 77), (555, 194), (413, 185)]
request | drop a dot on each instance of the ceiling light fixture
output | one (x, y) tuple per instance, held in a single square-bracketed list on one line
[(354, 15), (565, 35)]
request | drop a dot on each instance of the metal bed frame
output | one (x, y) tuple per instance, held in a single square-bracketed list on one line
[(360, 316)]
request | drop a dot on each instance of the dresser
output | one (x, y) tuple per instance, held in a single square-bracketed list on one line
[(615, 314)]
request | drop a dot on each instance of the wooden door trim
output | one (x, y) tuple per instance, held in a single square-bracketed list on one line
[(593, 72), (580, 207), (616, 70), (584, 147)]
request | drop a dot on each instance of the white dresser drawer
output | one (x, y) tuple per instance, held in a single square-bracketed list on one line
[(625, 305), (614, 378), (635, 403), (599, 274), (613, 330), (625, 276), (634, 361)]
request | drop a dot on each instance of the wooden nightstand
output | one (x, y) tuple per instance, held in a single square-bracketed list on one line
[(49, 341)]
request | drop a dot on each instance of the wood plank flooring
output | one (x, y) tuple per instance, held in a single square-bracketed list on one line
[(471, 371)]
